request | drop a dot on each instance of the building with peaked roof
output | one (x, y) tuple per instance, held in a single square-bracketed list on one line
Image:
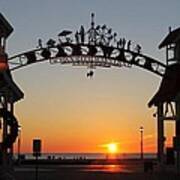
[(168, 93), (172, 44), (173, 37), (170, 85)]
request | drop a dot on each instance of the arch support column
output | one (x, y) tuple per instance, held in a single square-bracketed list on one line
[(160, 133)]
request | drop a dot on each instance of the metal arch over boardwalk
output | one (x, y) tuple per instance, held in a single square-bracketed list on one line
[(87, 55), (97, 46)]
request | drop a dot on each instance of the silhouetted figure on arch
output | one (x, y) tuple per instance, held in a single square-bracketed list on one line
[(82, 34)]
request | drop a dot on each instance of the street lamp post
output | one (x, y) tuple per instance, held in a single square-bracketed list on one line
[(141, 141), (19, 142)]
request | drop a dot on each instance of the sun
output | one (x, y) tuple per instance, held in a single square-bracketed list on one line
[(112, 148)]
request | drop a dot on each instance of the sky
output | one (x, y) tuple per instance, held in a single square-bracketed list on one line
[(69, 112)]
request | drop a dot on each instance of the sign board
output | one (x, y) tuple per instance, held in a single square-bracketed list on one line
[(176, 143), (36, 147)]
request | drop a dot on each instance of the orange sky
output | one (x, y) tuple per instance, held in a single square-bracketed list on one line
[(69, 112), (79, 115)]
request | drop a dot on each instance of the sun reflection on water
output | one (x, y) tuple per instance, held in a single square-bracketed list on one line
[(112, 168)]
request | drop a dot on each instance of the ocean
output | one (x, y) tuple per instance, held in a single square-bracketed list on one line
[(87, 156)]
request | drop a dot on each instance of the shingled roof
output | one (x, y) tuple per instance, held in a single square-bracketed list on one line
[(170, 86)]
